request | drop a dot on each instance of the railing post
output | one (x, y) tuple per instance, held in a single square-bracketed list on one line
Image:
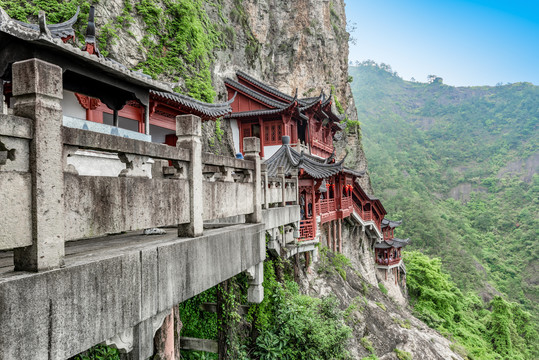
[(189, 132), (251, 147), (280, 174), (37, 88), (264, 193)]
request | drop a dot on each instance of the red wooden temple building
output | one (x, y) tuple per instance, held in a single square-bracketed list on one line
[(328, 194), (388, 254), (149, 115), (263, 111)]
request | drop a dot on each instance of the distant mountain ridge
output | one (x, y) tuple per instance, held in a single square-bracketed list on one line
[(459, 165)]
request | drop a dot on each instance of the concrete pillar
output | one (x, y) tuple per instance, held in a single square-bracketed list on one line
[(255, 292), (251, 148), (189, 133), (147, 119), (280, 174), (164, 339), (37, 88), (264, 175), (294, 173)]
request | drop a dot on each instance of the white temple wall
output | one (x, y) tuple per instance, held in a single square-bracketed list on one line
[(235, 135), (71, 106), (270, 150)]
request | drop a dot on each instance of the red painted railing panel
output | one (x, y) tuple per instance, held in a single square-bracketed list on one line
[(306, 230), (389, 262)]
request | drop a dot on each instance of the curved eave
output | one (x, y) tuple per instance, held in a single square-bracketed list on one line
[(393, 243), (390, 223), (354, 173), (264, 112), (317, 101), (262, 86), (242, 89), (111, 68), (200, 108), (60, 30), (289, 158)]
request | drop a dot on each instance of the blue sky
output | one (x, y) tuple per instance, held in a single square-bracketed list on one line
[(475, 42)]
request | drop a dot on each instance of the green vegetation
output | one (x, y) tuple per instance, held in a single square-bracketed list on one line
[(331, 262), (382, 288), (99, 352), (179, 43), (367, 344), (457, 165), (295, 326), (402, 355), (496, 330)]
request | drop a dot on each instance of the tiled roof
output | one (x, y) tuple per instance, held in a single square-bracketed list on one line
[(250, 92), (61, 30), (261, 112), (200, 108), (290, 159), (34, 35), (241, 75), (392, 224), (354, 172), (395, 243)]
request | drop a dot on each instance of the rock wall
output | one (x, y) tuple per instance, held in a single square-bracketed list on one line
[(301, 45), (379, 324)]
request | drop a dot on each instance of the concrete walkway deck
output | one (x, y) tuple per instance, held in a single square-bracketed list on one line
[(113, 284)]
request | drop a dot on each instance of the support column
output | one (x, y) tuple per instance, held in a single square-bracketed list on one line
[(329, 235), (339, 223), (251, 147), (37, 88), (189, 133), (255, 292), (264, 194), (222, 331), (164, 339), (334, 223), (147, 119)]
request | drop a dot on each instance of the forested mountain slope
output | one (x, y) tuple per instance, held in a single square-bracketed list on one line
[(459, 165)]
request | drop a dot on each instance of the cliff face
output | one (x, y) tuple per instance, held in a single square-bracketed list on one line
[(291, 45)]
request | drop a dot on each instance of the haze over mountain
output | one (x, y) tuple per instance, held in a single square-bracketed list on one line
[(459, 165)]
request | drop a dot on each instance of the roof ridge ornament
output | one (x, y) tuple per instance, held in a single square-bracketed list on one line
[(91, 46), (44, 32)]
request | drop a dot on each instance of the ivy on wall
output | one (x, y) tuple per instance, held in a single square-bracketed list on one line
[(178, 44)]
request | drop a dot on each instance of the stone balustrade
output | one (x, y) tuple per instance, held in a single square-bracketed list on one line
[(51, 203)]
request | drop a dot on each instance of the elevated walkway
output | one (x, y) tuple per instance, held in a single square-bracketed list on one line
[(123, 284)]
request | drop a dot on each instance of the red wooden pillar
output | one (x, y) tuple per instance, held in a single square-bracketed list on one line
[(340, 235), (313, 197), (329, 235), (334, 235), (262, 143)]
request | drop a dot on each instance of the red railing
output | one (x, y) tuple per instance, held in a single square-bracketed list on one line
[(358, 209), (387, 262), (306, 230), (327, 205), (346, 202)]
